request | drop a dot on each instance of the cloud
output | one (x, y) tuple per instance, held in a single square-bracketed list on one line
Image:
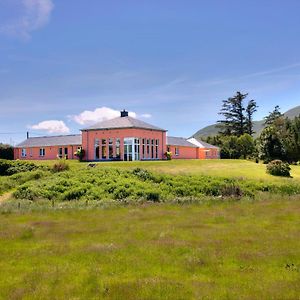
[(146, 116), (36, 14), (97, 115), (51, 126)]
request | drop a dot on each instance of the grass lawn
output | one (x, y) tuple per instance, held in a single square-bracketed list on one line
[(230, 250), (101, 248), (222, 168)]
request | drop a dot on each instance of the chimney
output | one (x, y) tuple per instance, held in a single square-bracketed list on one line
[(27, 135), (124, 113)]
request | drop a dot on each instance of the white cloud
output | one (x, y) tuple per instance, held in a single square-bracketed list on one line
[(51, 126), (36, 14), (98, 115), (146, 116)]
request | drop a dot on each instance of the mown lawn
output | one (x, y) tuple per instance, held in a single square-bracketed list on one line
[(222, 168), (229, 250)]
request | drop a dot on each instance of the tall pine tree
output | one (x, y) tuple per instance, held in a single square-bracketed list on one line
[(236, 121)]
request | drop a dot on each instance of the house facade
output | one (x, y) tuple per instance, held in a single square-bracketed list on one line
[(123, 138)]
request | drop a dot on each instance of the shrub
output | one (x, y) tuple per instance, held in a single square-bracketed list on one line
[(60, 166), (142, 174), (152, 196), (80, 153), (168, 155), (231, 190), (278, 168), (13, 167)]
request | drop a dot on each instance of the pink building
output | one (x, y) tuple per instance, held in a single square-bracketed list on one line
[(123, 138)]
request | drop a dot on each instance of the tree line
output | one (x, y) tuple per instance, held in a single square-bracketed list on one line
[(280, 138)]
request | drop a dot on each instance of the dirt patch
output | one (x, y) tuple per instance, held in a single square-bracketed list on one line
[(5, 197)]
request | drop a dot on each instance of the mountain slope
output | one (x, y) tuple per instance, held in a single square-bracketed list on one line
[(258, 125)]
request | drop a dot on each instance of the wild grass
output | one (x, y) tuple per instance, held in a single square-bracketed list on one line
[(217, 250)]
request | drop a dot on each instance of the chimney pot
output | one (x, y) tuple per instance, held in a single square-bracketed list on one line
[(124, 113)]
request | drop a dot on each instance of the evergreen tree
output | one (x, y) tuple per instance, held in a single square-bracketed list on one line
[(235, 121), (271, 145), (250, 110), (273, 116)]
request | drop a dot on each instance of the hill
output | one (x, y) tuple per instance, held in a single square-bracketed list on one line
[(258, 125)]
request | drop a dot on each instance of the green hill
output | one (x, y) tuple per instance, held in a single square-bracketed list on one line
[(258, 125)]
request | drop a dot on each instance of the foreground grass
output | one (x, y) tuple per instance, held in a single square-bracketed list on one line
[(229, 250)]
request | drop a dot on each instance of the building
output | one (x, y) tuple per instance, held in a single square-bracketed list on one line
[(123, 138)]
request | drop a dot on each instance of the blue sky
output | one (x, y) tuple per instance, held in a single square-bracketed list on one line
[(170, 63)]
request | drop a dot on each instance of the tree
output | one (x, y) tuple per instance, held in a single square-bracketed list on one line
[(291, 139), (237, 119), (6, 151), (271, 145), (273, 116), (246, 145), (250, 110)]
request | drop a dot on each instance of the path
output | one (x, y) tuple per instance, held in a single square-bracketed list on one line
[(5, 197)]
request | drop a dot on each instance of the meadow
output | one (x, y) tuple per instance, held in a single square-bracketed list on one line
[(150, 230)]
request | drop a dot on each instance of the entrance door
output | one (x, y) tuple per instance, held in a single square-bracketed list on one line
[(129, 149)]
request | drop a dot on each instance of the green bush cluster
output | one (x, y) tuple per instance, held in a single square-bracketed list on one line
[(140, 184), (8, 167), (278, 168)]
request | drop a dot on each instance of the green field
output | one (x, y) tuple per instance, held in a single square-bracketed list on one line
[(199, 245)]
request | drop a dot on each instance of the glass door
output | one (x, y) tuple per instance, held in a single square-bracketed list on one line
[(129, 149)]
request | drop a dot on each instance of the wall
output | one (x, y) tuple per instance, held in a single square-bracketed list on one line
[(89, 137), (208, 153), (184, 152), (51, 152)]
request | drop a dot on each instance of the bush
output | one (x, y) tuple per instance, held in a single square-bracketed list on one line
[(168, 155), (60, 166), (278, 168), (6, 151), (13, 167), (142, 174)]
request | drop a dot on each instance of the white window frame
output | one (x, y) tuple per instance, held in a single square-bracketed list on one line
[(42, 152), (23, 152), (176, 151)]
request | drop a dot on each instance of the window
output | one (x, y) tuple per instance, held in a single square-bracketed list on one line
[(137, 148), (156, 148), (103, 148), (118, 153), (23, 154), (66, 153), (30, 152), (111, 148), (168, 149), (144, 148), (42, 151), (152, 148), (97, 149), (148, 148), (176, 151), (60, 152)]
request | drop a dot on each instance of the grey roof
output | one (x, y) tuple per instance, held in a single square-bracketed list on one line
[(201, 144), (179, 141), (206, 145), (123, 122), (61, 140)]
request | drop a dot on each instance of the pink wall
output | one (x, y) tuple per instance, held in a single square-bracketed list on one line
[(51, 152), (209, 153), (184, 152), (89, 137)]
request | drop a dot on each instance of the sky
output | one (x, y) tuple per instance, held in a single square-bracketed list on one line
[(66, 64)]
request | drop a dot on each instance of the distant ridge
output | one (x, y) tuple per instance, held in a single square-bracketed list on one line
[(212, 130)]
